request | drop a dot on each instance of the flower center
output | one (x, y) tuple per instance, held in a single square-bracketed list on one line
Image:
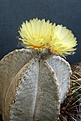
[(36, 37)]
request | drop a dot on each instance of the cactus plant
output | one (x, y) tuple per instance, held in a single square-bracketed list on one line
[(34, 82)]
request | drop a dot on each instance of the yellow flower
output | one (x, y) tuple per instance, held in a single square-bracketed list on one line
[(35, 33), (63, 41)]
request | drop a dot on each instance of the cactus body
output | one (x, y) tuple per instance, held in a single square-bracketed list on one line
[(32, 88)]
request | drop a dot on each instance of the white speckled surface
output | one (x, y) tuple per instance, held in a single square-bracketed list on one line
[(32, 88), (63, 72), (35, 96), (9, 67)]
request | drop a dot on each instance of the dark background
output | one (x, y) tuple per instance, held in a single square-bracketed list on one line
[(14, 12)]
